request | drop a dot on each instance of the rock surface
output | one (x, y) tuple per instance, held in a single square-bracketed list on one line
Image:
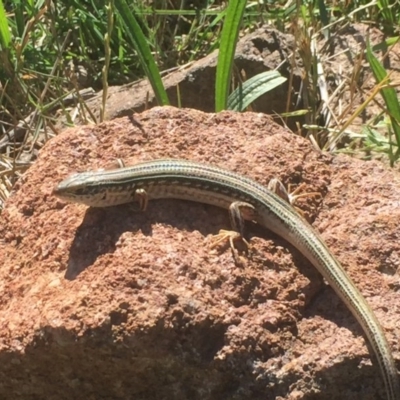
[(112, 303)]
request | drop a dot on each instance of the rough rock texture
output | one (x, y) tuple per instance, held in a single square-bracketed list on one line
[(116, 304)]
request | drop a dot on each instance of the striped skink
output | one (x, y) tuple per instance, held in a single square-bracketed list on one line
[(180, 179)]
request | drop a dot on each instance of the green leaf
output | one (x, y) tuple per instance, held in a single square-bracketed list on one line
[(390, 97), (229, 36), (139, 41), (5, 37), (253, 88), (323, 12), (385, 9)]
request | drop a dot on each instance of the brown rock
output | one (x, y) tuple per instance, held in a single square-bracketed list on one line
[(112, 303)]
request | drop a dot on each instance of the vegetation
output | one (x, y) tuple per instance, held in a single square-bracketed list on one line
[(51, 50)]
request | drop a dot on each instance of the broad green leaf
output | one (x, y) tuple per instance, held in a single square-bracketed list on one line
[(253, 88)]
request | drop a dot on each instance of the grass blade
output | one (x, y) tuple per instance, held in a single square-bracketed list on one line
[(139, 41), (229, 36), (5, 37), (390, 97)]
